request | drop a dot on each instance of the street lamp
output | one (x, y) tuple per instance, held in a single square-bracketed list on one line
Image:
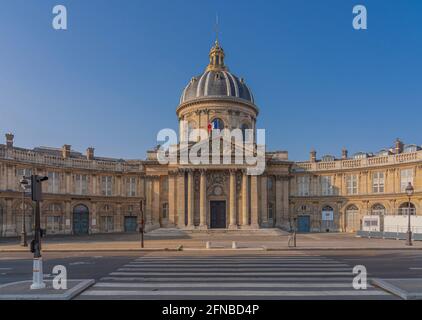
[(409, 192), (24, 184)]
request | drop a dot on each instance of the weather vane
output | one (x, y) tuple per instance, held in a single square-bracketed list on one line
[(216, 28)]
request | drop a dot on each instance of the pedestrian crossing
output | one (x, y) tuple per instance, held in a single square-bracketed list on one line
[(231, 277)]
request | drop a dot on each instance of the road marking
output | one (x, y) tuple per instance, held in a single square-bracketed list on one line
[(231, 293), (208, 279), (223, 285), (5, 269), (415, 268), (238, 269), (139, 265), (229, 273)]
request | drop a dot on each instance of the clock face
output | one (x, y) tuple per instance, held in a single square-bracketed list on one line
[(218, 191)]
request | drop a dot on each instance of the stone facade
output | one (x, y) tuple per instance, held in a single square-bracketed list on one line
[(90, 194)]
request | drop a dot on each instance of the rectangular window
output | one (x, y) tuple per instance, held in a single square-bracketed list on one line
[(106, 223), (352, 184), (23, 172), (303, 186), (81, 184), (406, 176), (131, 187), (378, 182), (326, 186), (53, 182), (165, 210), (106, 185), (54, 224)]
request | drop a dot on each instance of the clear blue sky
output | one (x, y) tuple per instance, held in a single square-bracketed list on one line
[(114, 78)]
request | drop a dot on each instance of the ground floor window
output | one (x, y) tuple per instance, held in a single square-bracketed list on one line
[(107, 223), (54, 224), (165, 210), (406, 208)]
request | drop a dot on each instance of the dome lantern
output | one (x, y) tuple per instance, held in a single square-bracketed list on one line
[(216, 58)]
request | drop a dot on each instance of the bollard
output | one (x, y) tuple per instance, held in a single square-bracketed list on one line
[(234, 245), (37, 281), (208, 245)]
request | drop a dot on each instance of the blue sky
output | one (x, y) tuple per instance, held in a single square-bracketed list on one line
[(114, 78)]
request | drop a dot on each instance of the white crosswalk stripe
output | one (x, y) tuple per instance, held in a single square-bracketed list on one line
[(231, 277)]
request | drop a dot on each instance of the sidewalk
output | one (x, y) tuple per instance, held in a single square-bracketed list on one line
[(159, 240)]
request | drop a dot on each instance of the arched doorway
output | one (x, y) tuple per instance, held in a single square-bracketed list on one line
[(405, 207), (327, 219), (352, 218), (80, 220)]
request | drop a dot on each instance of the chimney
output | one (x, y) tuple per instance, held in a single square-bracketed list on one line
[(66, 151), (344, 154), (398, 146), (90, 153), (9, 140), (313, 155)]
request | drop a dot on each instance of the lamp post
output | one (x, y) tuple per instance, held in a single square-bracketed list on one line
[(24, 184), (409, 192)]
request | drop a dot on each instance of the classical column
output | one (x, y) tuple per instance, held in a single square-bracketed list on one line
[(118, 223), (245, 200), (232, 207), (285, 219), (148, 206), (10, 223), (172, 200), (203, 201), (190, 199), (94, 227), (278, 201), (181, 205), (156, 202), (254, 202), (264, 200)]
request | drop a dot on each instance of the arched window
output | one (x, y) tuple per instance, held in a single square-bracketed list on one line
[(217, 123), (405, 207), (378, 210), (352, 218)]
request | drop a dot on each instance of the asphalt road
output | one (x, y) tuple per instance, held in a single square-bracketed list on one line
[(206, 274)]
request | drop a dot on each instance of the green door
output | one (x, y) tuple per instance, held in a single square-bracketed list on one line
[(131, 224), (80, 220)]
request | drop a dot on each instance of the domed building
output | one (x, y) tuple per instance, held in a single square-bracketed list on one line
[(87, 194)]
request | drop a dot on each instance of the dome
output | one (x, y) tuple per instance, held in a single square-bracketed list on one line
[(216, 81)]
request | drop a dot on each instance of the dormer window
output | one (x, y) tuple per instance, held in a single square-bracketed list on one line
[(328, 158), (360, 155), (410, 148)]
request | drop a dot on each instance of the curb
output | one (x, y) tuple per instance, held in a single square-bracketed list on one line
[(210, 249), (67, 295)]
